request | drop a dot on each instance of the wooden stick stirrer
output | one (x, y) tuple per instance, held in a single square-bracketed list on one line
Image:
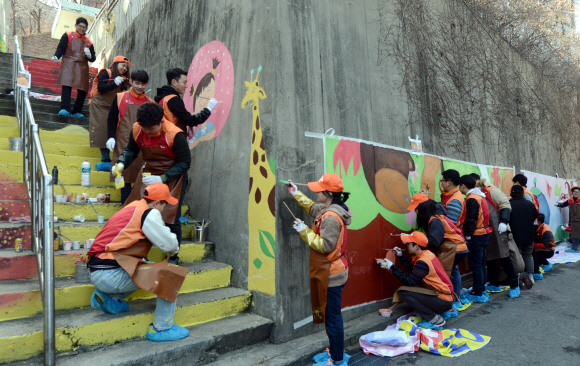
[(290, 211)]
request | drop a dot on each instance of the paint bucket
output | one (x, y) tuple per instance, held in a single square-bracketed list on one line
[(199, 234), (82, 271), (15, 144), (385, 313)]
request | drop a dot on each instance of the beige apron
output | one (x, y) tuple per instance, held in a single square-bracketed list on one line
[(162, 279), (74, 70), (420, 288), (124, 129), (446, 255), (319, 275), (100, 106)]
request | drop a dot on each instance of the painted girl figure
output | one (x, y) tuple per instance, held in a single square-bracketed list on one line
[(201, 94)]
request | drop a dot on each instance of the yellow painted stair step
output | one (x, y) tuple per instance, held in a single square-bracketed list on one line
[(60, 149), (62, 162), (22, 299), (21, 339), (68, 211), (13, 174)]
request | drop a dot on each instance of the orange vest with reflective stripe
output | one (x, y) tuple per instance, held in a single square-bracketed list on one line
[(338, 261), (164, 139), (539, 239), (452, 233), (454, 194), (436, 278), (482, 227), (121, 231), (536, 202)]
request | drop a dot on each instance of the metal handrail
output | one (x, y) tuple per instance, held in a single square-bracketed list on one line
[(39, 187)]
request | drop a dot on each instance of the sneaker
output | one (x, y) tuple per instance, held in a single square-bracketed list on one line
[(480, 299), (64, 113), (538, 276), (493, 289), (547, 267), (78, 115), (106, 303), (172, 334), (103, 166), (526, 281), (514, 293)]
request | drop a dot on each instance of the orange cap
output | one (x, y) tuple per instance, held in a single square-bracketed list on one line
[(122, 59), (329, 182), (416, 200), (416, 237), (159, 192), (573, 188)]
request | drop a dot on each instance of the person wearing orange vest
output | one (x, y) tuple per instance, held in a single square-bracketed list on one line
[(451, 198), (445, 239), (76, 51), (118, 266), (328, 263), (522, 180), (122, 116), (574, 205), (426, 289), (475, 225), (544, 247), (165, 152)]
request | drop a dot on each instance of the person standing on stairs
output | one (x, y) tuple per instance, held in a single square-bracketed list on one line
[(118, 266), (574, 204), (76, 51), (122, 116), (164, 149), (110, 82), (328, 263)]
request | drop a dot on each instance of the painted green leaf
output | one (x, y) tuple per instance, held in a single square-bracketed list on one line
[(270, 248), (258, 263), (272, 164), (535, 180), (557, 190)]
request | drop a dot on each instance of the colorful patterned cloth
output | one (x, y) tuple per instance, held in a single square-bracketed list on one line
[(561, 257), (447, 342)]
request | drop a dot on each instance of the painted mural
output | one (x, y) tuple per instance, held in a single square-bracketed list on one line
[(261, 201), (550, 190), (382, 181), (210, 75)]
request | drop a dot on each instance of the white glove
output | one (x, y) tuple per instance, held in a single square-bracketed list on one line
[(54, 59), (211, 104), (87, 52), (144, 260), (110, 144), (119, 166), (468, 238), (292, 188), (299, 226), (387, 264), (502, 228), (147, 181), (118, 80), (398, 251)]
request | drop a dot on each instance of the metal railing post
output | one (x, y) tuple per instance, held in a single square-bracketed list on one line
[(48, 267)]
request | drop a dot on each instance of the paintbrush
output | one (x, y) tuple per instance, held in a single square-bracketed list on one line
[(394, 249), (207, 99), (290, 211), (62, 185), (89, 201), (298, 184)]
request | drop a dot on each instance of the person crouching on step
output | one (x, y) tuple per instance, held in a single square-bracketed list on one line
[(328, 263)]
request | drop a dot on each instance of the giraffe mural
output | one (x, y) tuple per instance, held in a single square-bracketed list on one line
[(261, 200)]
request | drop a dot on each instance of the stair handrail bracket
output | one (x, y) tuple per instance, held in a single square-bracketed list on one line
[(39, 186)]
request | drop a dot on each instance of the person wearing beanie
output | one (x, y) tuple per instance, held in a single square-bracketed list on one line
[(328, 262), (523, 228), (574, 204), (426, 287)]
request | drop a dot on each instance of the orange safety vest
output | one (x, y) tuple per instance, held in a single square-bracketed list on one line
[(454, 194), (164, 139), (536, 202), (436, 278), (482, 227), (539, 238), (166, 111), (452, 233), (337, 257), (126, 98), (95, 90), (121, 231)]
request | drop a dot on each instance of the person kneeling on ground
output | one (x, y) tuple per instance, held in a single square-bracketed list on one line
[(543, 248), (427, 289), (118, 266)]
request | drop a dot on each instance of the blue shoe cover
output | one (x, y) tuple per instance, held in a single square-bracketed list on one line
[(514, 293), (172, 334), (571, 251), (538, 276), (64, 113), (324, 356), (103, 166), (480, 299), (464, 300), (493, 289), (325, 363), (426, 325), (104, 302), (78, 115), (548, 267), (484, 293), (449, 314)]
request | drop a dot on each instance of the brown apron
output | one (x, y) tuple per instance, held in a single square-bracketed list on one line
[(421, 288), (157, 164), (100, 106), (162, 279), (124, 129), (446, 255), (319, 275), (74, 70), (497, 247), (574, 221)]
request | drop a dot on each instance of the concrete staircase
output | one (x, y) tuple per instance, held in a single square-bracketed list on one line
[(216, 313)]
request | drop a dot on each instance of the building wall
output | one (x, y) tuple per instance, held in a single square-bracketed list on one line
[(39, 45), (297, 67)]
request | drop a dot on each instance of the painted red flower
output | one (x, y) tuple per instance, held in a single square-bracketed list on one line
[(346, 151), (496, 178)]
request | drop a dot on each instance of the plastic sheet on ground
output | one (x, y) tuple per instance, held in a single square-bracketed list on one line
[(561, 256), (447, 342)]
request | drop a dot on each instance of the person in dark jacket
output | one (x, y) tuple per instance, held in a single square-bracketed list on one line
[(523, 228), (76, 51), (544, 247)]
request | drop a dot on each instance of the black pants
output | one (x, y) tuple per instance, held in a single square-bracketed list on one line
[(176, 226), (541, 259), (427, 306), (65, 100), (508, 268)]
